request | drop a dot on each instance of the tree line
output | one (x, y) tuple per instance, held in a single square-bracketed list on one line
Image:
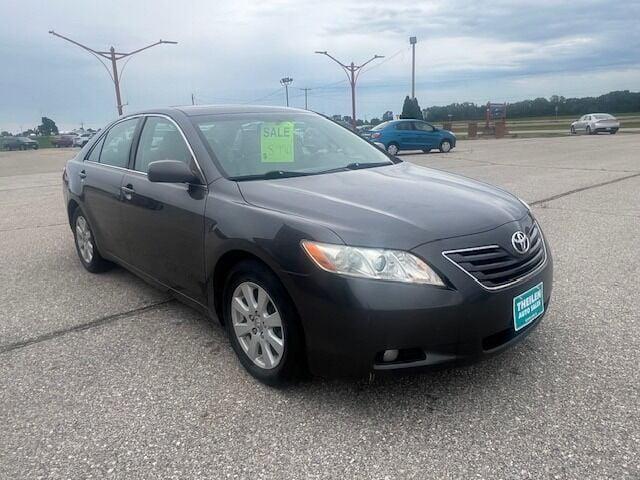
[(613, 102)]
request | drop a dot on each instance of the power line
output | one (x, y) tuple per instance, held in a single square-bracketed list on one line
[(113, 56)]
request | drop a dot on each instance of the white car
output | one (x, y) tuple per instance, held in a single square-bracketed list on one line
[(595, 123), (82, 139)]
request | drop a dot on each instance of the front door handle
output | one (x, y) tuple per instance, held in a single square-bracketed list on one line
[(82, 174), (127, 191)]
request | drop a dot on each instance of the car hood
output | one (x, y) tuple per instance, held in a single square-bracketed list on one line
[(400, 206)]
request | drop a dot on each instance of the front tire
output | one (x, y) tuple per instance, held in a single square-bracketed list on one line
[(85, 245), (445, 146), (262, 324)]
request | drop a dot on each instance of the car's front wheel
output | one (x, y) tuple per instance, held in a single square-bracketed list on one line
[(445, 146), (262, 324), (86, 246)]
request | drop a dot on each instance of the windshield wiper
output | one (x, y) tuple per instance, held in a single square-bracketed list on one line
[(356, 166), (270, 175)]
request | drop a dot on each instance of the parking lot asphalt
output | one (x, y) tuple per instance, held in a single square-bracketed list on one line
[(101, 376)]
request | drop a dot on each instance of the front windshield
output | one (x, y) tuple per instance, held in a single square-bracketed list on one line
[(251, 145)]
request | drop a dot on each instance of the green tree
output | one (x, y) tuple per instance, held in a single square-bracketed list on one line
[(411, 108), (4, 133), (47, 127), (375, 121)]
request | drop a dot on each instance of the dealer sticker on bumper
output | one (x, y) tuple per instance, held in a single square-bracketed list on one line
[(528, 306)]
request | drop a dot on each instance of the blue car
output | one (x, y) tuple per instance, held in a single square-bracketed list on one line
[(397, 135)]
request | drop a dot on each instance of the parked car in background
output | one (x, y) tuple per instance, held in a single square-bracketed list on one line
[(595, 123), (82, 139), (397, 135), (62, 141), (19, 143)]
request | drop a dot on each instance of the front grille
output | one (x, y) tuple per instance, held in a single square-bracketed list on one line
[(495, 267)]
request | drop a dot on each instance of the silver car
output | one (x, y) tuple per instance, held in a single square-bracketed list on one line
[(595, 123)]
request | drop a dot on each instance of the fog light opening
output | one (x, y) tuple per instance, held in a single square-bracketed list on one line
[(390, 355)]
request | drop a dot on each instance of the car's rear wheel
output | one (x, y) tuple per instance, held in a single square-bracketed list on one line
[(262, 324), (393, 148), (426, 150), (85, 244), (445, 146)]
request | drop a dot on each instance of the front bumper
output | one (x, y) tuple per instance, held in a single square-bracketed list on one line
[(349, 322)]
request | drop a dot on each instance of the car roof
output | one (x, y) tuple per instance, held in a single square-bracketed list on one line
[(197, 110)]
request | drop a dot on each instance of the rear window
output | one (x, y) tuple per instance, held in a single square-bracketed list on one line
[(380, 126), (603, 116)]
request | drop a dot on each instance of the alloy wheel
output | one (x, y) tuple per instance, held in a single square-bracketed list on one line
[(392, 149), (257, 325), (84, 239), (445, 146)]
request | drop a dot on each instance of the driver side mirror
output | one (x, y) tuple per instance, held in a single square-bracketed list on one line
[(171, 171)]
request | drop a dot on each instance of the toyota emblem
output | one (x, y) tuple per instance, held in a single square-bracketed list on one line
[(520, 242)]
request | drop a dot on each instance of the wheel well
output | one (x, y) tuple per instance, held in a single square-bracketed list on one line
[(71, 209), (223, 267)]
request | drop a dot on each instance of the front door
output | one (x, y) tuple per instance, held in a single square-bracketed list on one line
[(165, 221), (427, 136)]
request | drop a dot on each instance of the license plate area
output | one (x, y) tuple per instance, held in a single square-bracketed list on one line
[(528, 306)]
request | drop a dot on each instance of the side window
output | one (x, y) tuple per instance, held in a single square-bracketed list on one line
[(423, 126), (404, 126), (94, 155), (117, 144), (160, 140)]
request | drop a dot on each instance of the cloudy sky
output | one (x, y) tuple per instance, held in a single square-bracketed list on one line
[(236, 51)]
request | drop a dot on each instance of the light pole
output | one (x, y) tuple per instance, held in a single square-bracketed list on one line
[(412, 42), (113, 56), (285, 82), (353, 72)]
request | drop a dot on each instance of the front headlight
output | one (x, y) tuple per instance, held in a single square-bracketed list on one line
[(374, 263)]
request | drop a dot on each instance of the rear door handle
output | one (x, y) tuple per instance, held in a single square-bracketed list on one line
[(82, 174), (127, 191)]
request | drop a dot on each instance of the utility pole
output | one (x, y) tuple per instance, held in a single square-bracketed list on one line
[(353, 72), (285, 82), (412, 42), (305, 90), (113, 56)]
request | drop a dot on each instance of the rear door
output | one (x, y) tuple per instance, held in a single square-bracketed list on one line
[(101, 177), (406, 135), (165, 221)]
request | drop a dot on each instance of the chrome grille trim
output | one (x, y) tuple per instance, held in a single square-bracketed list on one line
[(522, 278)]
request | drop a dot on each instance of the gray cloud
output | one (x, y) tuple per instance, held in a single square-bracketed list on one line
[(236, 51)]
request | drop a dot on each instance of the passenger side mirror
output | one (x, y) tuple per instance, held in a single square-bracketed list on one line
[(171, 171)]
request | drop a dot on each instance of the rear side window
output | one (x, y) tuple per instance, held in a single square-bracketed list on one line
[(404, 126), (117, 144), (160, 140), (94, 156)]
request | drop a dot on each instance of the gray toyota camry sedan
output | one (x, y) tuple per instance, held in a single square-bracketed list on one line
[(316, 250)]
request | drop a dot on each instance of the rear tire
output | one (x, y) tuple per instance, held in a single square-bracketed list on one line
[(85, 244), (426, 150), (255, 340), (393, 148)]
